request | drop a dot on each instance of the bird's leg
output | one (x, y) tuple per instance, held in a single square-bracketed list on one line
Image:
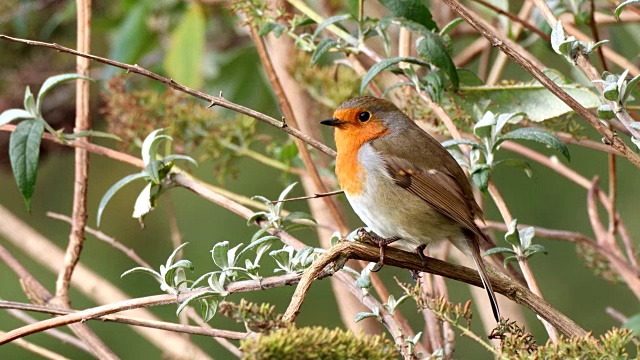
[(419, 249), (380, 241)]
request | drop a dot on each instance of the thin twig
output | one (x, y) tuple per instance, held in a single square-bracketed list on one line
[(37, 349), (517, 19), (153, 324), (213, 100), (314, 196)]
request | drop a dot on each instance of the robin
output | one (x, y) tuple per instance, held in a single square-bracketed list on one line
[(403, 184)]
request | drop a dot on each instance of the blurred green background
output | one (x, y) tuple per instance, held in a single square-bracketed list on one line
[(136, 32)]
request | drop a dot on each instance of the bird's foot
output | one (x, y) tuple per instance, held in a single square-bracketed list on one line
[(380, 241), (415, 274)]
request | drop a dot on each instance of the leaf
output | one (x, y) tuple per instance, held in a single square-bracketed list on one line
[(480, 177), (450, 26), (512, 235), (454, 142), (30, 103), (483, 128), (131, 37), (322, 48), (532, 99), (113, 189), (143, 204), (384, 64), (432, 48), (633, 324), (8, 116), (53, 81), (219, 254), (363, 315), (413, 10), (330, 20), (498, 250), (153, 170), (150, 145), (270, 26), (630, 86), (193, 297), (538, 135), (185, 55), (557, 37), (24, 152), (619, 8), (209, 308), (174, 157), (143, 270)]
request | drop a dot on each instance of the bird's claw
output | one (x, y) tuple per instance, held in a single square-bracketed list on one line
[(377, 240)]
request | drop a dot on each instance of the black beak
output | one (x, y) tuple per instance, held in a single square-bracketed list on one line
[(332, 122)]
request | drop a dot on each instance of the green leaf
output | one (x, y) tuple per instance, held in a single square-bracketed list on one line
[(454, 142), (384, 64), (330, 20), (53, 81), (153, 170), (413, 10), (150, 145), (322, 48), (30, 103), (174, 157), (532, 99), (538, 135), (8, 116), (209, 308), (484, 128), (24, 152), (450, 26), (480, 177), (143, 270), (633, 324), (364, 315), (557, 37), (113, 189), (605, 112), (170, 271), (132, 36), (270, 26), (185, 56), (509, 259), (432, 48), (219, 254), (512, 235), (619, 8), (630, 86), (498, 250), (192, 298)]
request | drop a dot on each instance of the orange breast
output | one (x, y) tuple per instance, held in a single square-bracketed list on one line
[(351, 174)]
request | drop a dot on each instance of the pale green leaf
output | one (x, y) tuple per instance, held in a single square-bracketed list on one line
[(185, 55)]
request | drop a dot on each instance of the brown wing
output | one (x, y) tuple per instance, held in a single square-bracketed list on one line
[(439, 189)]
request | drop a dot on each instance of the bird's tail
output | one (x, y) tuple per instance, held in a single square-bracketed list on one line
[(482, 270)]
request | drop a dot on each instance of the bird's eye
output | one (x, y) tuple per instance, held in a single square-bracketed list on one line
[(364, 116)]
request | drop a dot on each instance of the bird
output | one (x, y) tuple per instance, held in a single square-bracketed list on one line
[(403, 184)]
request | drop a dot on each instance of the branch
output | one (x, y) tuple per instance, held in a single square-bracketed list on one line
[(394, 257), (162, 325), (213, 100), (154, 300)]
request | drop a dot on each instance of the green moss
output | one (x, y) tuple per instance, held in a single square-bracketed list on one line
[(317, 343)]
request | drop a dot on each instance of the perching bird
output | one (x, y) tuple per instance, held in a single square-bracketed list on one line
[(403, 184)]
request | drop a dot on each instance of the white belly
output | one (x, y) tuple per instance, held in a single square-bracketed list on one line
[(390, 210)]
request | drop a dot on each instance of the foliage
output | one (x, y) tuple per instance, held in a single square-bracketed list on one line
[(255, 317), (155, 174), (317, 343)]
